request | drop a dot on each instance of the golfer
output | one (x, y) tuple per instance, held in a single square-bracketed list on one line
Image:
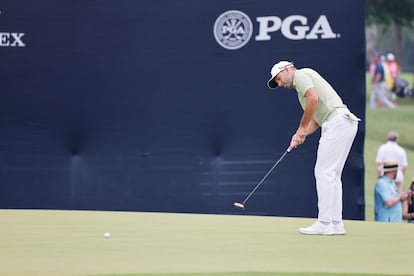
[(322, 108)]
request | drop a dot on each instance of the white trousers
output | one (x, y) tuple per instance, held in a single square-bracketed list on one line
[(380, 93), (337, 136)]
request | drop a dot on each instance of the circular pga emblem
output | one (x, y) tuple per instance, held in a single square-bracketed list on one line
[(233, 29)]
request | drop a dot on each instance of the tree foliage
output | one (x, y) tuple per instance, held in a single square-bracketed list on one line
[(387, 12)]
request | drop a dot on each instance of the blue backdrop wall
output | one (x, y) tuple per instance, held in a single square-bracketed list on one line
[(163, 106)]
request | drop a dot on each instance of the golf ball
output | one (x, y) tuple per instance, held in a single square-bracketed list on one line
[(107, 235)]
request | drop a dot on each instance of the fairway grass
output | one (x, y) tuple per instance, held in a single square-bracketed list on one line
[(41, 242), (251, 274)]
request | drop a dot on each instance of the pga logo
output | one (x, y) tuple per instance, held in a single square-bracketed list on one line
[(233, 29)]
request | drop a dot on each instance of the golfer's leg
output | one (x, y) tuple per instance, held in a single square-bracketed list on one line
[(325, 174), (334, 145), (345, 133)]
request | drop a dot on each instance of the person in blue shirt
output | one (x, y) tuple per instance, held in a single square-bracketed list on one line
[(388, 206), (379, 87)]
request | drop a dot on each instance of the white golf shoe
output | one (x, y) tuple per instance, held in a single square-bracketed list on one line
[(318, 228), (339, 228)]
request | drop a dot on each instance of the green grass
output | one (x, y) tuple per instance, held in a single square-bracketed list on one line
[(378, 122), (72, 243), (253, 274)]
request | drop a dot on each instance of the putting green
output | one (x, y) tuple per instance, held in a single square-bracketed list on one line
[(40, 242)]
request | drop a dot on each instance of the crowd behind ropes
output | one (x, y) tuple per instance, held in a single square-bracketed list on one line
[(386, 81)]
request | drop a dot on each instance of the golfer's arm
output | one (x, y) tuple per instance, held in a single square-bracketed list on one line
[(312, 127), (307, 122)]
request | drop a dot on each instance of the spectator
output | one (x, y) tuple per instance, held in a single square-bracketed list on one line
[(379, 87), (372, 67), (388, 206), (392, 151), (393, 66), (389, 80), (408, 206)]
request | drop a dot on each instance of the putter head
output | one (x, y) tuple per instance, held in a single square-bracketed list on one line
[(239, 205)]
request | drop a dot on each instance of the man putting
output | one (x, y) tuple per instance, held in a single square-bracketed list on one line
[(322, 108)]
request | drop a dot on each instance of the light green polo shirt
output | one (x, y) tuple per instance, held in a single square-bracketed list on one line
[(329, 100)]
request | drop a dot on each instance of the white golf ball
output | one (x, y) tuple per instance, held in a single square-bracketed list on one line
[(107, 235)]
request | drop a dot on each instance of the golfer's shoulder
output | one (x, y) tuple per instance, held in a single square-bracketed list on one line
[(306, 73), (305, 70)]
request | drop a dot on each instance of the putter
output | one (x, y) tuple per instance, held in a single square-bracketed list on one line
[(242, 205)]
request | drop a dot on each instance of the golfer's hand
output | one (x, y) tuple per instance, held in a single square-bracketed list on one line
[(296, 140)]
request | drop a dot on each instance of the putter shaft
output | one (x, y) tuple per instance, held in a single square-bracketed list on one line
[(267, 174)]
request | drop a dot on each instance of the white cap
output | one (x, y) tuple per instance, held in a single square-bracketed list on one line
[(390, 56), (276, 69)]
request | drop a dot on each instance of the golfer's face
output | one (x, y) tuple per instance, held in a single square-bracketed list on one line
[(283, 79)]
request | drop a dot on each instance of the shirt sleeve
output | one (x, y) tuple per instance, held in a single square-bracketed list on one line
[(303, 83)]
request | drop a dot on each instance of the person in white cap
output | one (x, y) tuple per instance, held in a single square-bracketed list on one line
[(322, 108), (391, 150), (393, 66)]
